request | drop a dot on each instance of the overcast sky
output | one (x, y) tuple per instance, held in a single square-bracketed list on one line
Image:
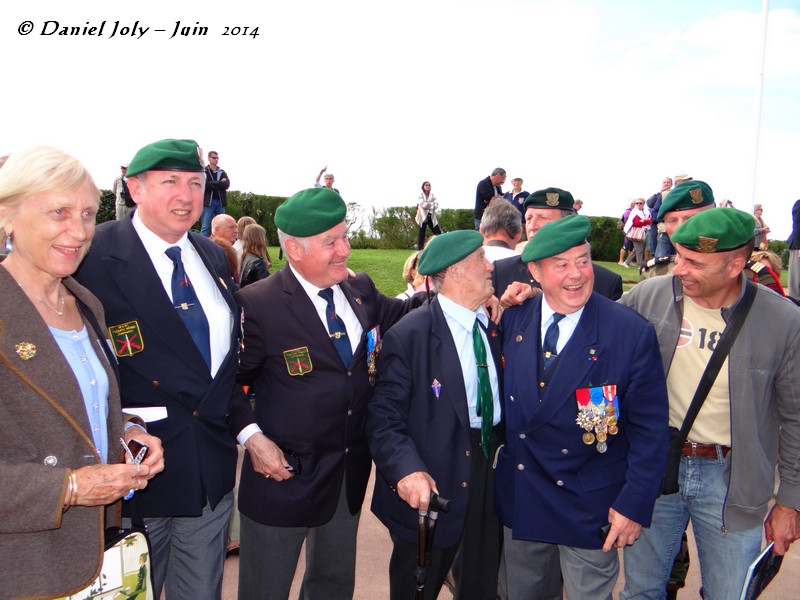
[(603, 98)]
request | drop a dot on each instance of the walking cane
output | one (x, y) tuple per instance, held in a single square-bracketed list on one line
[(427, 527)]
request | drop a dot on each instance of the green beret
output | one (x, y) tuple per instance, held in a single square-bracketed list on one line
[(167, 155), (310, 212), (715, 230), (550, 198), (447, 249), (556, 237), (691, 194)]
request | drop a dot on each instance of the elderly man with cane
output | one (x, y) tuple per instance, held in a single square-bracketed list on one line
[(432, 425)]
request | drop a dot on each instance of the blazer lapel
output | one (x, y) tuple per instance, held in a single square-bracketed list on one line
[(359, 308), (130, 268), (301, 306), (44, 368), (225, 287), (446, 364), (574, 364)]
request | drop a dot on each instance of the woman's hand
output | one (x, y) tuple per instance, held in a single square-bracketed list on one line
[(98, 485)]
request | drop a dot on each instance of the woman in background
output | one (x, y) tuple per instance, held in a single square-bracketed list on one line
[(638, 217), (239, 243), (255, 263), (426, 214)]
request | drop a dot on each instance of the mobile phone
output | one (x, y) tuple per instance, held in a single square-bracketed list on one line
[(603, 531), (136, 450)]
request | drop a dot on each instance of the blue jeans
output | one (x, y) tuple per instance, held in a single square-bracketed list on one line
[(724, 557), (664, 247), (209, 212), (652, 238)]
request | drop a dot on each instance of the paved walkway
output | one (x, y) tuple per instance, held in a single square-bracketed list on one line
[(374, 548)]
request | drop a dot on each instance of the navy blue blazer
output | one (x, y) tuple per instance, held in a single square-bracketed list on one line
[(549, 485), (410, 429), (204, 414), (606, 282), (306, 399)]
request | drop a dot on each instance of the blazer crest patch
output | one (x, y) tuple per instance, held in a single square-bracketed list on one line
[(126, 339), (298, 361)]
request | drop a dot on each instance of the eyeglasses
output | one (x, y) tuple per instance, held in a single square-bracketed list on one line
[(213, 156)]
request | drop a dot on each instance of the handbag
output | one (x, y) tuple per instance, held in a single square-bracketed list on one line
[(126, 568), (637, 234), (677, 437)]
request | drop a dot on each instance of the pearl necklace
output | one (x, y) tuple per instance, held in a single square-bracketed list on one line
[(60, 313)]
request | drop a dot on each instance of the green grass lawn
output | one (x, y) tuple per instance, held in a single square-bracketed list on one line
[(386, 269)]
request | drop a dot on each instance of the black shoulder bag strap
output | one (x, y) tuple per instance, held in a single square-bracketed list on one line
[(717, 358), (677, 438)]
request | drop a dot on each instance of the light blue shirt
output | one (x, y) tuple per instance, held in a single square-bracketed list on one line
[(566, 326), (461, 320), (76, 346)]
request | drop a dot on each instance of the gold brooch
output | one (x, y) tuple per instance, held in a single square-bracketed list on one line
[(26, 350)]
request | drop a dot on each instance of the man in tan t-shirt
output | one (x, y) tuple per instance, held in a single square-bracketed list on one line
[(728, 462)]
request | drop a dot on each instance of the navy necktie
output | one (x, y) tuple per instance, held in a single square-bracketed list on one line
[(551, 341), (336, 328), (188, 306)]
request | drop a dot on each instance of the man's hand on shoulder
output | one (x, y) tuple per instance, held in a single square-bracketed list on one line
[(516, 293)]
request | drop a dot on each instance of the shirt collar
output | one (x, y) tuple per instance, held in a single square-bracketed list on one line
[(548, 312), (152, 242), (310, 288), (461, 314)]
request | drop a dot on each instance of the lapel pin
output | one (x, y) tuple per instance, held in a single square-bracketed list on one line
[(358, 301), (436, 387)]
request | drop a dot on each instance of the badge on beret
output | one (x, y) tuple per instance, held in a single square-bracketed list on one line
[(696, 195), (126, 339), (298, 361), (552, 199), (706, 244)]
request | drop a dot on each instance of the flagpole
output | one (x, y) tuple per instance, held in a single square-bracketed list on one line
[(759, 96)]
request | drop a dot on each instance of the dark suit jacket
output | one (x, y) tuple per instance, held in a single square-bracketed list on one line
[(550, 486), (483, 195), (44, 431), (212, 185), (410, 429), (606, 282), (794, 237), (306, 399), (204, 414)]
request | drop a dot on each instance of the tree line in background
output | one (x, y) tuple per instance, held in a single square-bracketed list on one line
[(395, 227)]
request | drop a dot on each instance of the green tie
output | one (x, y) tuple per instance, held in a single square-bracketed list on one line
[(485, 405)]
